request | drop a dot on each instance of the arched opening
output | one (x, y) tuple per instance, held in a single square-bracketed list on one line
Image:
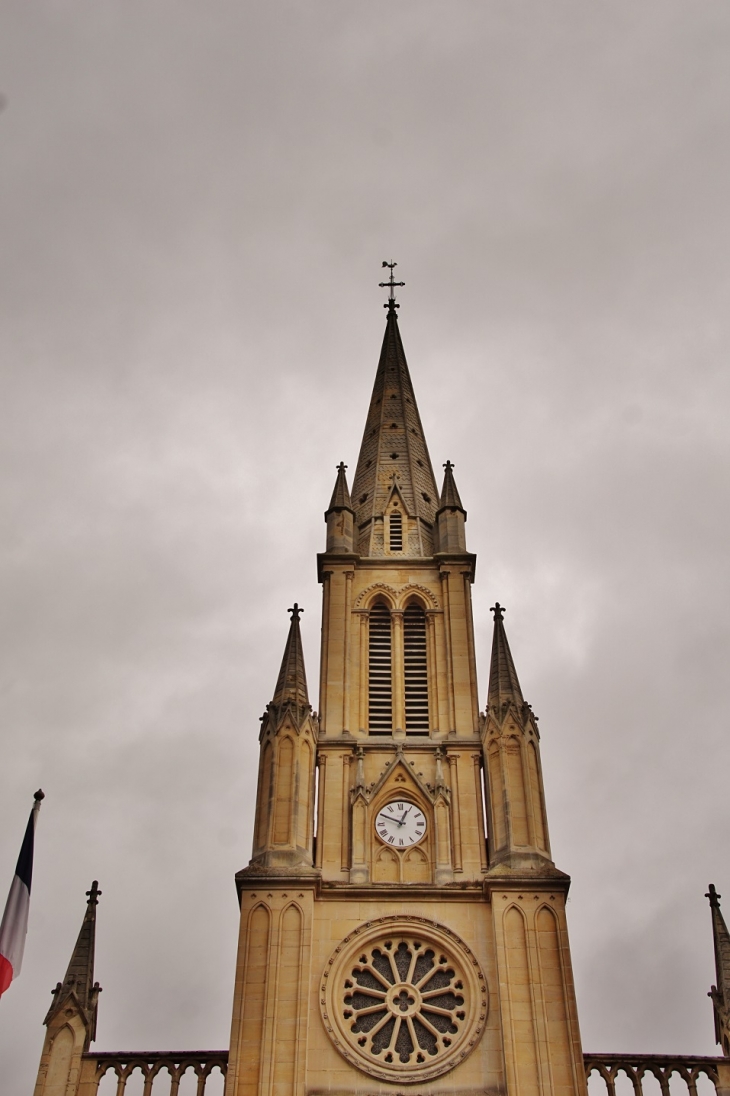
[(380, 675), (415, 669)]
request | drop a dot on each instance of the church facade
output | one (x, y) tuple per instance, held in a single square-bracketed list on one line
[(403, 925)]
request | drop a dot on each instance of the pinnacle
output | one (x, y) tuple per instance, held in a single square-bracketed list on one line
[(341, 495), (721, 939), (291, 686), (449, 494), (504, 685), (79, 978), (80, 973), (394, 451)]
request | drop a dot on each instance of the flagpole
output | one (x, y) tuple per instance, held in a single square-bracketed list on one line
[(14, 924), (38, 798)]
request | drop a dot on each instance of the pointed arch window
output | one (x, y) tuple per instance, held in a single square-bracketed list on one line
[(415, 669), (380, 675)]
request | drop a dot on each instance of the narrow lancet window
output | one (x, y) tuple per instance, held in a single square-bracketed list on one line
[(396, 531), (415, 669), (380, 686)]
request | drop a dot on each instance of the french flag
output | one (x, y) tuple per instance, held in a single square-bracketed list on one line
[(14, 925)]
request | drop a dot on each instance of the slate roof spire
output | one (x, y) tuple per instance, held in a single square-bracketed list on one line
[(394, 453), (291, 686), (504, 685)]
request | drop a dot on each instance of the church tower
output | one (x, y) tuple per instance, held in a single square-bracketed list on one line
[(402, 922)]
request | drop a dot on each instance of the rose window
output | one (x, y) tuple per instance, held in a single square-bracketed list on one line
[(405, 1000)]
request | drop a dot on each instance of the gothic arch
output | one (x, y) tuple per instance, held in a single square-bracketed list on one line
[(284, 773), (367, 597), (416, 866), (256, 979), (388, 792), (386, 868), (415, 592), (552, 976)]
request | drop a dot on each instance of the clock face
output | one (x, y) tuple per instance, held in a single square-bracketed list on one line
[(400, 824)]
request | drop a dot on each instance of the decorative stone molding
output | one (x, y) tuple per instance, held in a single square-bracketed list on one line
[(376, 588), (416, 588), (397, 597), (403, 999)]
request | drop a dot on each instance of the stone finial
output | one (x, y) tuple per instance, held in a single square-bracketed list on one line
[(93, 894)]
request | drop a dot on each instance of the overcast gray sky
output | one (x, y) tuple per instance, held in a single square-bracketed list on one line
[(195, 200)]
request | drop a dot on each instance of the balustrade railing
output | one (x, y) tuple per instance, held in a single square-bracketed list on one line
[(167, 1065), (636, 1067), (663, 1067)]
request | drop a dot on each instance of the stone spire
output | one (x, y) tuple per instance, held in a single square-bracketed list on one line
[(450, 516), (449, 494), (518, 828), (78, 989), (284, 830), (394, 454), (341, 495), (720, 993), (291, 687), (339, 515), (504, 685)]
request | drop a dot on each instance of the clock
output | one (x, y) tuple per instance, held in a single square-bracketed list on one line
[(400, 824)]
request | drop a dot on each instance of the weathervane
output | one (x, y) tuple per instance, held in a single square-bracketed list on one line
[(390, 285)]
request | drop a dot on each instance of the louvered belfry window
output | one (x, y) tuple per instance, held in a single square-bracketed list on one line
[(380, 677), (415, 669), (396, 531)]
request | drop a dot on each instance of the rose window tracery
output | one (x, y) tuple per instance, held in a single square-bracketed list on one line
[(404, 997)]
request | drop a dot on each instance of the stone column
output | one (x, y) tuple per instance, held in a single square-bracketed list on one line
[(399, 699), (453, 760), (432, 670)]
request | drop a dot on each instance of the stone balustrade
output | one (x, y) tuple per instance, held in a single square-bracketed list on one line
[(663, 1067), (171, 1065), (636, 1068)]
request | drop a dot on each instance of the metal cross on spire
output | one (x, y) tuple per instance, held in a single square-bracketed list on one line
[(390, 285)]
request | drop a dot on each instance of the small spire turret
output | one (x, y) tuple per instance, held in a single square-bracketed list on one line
[(340, 515), (291, 685), (518, 818), (284, 831), (504, 685), (451, 515), (720, 993), (78, 994)]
